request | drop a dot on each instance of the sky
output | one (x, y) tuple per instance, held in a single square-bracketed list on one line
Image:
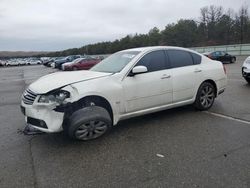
[(51, 25)]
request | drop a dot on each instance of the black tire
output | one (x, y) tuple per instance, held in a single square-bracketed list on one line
[(233, 60), (205, 96), (74, 69), (89, 123), (248, 80)]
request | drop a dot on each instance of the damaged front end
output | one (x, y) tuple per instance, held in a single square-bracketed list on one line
[(46, 112)]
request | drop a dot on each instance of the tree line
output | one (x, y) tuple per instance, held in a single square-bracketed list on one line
[(215, 26)]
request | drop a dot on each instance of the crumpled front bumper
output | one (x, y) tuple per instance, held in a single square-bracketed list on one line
[(43, 117), (246, 72)]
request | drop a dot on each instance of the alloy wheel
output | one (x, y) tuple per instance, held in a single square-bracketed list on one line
[(91, 130), (207, 97)]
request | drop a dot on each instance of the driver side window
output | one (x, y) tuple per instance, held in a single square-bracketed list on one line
[(154, 61), (223, 53), (217, 53)]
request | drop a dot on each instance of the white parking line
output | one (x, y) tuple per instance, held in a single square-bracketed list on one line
[(228, 117)]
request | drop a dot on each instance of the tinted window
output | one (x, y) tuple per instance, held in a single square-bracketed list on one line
[(196, 58), (223, 53), (154, 61), (217, 53), (179, 58), (83, 61)]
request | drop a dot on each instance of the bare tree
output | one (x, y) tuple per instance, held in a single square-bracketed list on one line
[(242, 20)]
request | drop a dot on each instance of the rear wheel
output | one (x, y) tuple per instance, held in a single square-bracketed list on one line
[(89, 123), (233, 60), (205, 96)]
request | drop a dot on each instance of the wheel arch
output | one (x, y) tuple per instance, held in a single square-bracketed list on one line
[(99, 101), (213, 83), (92, 100)]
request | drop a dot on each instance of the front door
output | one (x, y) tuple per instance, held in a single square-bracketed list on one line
[(150, 89)]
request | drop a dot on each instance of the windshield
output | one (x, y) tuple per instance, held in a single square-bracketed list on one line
[(116, 62)]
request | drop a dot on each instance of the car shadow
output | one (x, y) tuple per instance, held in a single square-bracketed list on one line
[(247, 85), (123, 129), (148, 119)]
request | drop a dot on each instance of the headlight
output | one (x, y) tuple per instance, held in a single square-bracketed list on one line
[(58, 97)]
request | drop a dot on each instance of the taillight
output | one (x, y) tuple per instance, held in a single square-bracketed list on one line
[(224, 68)]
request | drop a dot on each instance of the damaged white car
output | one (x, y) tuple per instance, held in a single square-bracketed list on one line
[(246, 69), (86, 104)]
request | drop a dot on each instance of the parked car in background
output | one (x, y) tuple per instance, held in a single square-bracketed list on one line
[(2, 63), (15, 62), (33, 61), (47, 62), (58, 63), (133, 82), (221, 56), (81, 64), (246, 69), (53, 65), (69, 63)]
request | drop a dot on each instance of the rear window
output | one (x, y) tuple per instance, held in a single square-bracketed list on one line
[(196, 58), (179, 58)]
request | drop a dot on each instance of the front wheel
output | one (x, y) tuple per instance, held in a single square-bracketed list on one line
[(89, 123), (205, 96)]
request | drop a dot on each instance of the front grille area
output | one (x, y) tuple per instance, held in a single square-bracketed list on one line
[(37, 122), (29, 97)]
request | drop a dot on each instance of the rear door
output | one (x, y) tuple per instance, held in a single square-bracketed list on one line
[(226, 57), (186, 72)]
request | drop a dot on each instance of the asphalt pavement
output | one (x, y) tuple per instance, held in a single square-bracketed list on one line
[(174, 148)]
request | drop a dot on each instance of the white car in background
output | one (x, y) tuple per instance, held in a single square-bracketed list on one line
[(134, 82), (246, 69), (2, 63), (15, 62), (33, 61), (53, 65)]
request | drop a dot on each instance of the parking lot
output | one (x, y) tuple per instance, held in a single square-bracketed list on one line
[(175, 148)]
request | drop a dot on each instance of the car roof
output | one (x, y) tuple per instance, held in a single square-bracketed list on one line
[(149, 48)]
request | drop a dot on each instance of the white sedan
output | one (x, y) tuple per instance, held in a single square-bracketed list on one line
[(246, 69), (86, 104)]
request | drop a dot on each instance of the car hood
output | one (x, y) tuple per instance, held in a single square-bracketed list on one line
[(60, 79)]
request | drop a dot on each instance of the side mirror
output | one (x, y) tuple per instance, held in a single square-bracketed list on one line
[(138, 70)]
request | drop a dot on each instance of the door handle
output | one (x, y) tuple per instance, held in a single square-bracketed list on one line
[(197, 70), (165, 76)]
